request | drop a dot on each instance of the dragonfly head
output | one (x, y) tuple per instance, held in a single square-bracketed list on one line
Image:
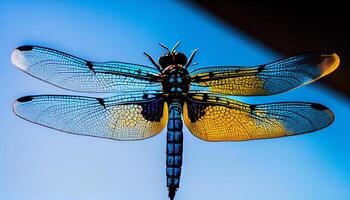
[(172, 58)]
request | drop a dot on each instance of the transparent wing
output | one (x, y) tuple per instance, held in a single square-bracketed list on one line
[(131, 116), (72, 73), (214, 118), (268, 79)]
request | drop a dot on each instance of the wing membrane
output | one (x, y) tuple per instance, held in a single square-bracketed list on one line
[(268, 79), (213, 118), (73, 73), (131, 116)]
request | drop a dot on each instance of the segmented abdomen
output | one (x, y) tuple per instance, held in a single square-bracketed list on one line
[(174, 148)]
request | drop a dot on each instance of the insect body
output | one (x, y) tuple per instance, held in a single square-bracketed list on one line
[(148, 99)]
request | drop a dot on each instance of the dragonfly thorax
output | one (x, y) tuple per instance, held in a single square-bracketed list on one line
[(176, 80)]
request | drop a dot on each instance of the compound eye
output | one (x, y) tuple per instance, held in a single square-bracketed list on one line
[(180, 58)]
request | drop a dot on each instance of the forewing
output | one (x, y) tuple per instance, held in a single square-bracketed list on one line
[(131, 116), (73, 73), (214, 118), (268, 79)]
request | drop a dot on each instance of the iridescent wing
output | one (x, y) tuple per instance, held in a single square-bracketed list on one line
[(268, 79), (131, 116), (73, 73), (214, 118)]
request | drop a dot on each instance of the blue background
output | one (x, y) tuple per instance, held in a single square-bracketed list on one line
[(38, 163)]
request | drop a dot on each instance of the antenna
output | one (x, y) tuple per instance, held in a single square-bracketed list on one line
[(191, 58), (176, 45), (165, 47)]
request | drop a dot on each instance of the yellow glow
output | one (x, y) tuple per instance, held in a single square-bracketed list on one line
[(329, 64)]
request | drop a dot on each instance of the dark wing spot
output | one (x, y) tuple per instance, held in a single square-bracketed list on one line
[(211, 74), (252, 108), (25, 48), (145, 96), (90, 66), (317, 106), (217, 99), (101, 102), (195, 111), (25, 99), (205, 97), (152, 111), (261, 67), (196, 79)]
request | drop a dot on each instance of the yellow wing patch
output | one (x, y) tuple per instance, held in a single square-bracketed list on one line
[(220, 123), (233, 82), (268, 79), (128, 121), (214, 118)]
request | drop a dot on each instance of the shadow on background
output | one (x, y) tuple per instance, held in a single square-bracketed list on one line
[(292, 27)]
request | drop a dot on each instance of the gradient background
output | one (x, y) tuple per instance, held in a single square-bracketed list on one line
[(38, 163)]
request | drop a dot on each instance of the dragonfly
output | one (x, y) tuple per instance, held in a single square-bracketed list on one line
[(146, 99)]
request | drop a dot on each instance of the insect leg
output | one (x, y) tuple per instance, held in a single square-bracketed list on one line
[(153, 62)]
